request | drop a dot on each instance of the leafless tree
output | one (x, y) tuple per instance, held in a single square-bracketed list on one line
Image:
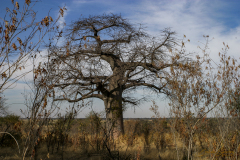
[(105, 57)]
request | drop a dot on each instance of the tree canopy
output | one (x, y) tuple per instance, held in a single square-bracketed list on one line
[(105, 57)]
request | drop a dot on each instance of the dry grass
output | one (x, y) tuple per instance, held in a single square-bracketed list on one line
[(82, 142)]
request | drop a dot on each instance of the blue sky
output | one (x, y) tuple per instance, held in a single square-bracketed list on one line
[(220, 19)]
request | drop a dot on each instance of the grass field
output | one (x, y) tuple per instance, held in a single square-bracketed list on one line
[(143, 140)]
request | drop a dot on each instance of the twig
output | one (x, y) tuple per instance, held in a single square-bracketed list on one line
[(13, 138)]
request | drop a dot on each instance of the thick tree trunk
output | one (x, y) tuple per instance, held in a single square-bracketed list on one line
[(114, 114)]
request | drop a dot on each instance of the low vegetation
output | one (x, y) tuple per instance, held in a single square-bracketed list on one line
[(156, 138)]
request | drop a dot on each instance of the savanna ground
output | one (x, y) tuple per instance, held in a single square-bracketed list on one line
[(155, 138)]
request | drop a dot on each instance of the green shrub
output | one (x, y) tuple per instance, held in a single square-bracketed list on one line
[(12, 125)]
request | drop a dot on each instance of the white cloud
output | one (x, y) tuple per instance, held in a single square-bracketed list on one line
[(191, 18), (80, 2), (15, 94)]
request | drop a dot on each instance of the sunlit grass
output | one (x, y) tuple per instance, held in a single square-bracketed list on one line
[(82, 141)]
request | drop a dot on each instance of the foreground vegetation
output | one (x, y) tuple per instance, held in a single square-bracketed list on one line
[(157, 138)]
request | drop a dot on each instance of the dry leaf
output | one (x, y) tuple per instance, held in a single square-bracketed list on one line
[(28, 2), (19, 40), (51, 19), (15, 12), (61, 11), (14, 46), (17, 5), (4, 75), (6, 24)]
